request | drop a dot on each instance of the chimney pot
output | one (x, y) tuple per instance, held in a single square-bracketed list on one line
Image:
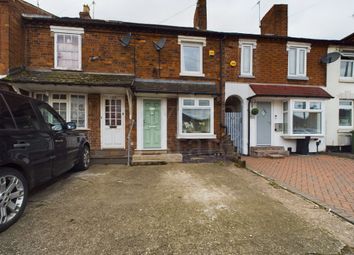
[(85, 14)]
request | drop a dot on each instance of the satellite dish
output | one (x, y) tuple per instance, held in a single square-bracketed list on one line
[(125, 40), (160, 44), (330, 57)]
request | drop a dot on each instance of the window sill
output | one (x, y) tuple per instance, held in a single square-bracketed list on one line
[(345, 130), (294, 137), (192, 74), (66, 69), (346, 80), (83, 129), (298, 78), (246, 76), (196, 137)]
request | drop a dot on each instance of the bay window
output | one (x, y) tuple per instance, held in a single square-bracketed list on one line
[(196, 118), (345, 113), (71, 107), (303, 117)]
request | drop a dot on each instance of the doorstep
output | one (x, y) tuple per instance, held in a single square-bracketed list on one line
[(156, 158)]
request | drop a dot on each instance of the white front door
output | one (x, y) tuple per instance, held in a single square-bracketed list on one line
[(112, 122)]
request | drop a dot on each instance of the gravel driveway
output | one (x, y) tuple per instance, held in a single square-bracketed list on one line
[(173, 209)]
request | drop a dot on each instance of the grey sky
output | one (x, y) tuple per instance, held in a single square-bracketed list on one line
[(329, 19)]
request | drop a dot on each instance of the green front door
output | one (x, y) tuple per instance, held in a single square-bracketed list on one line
[(152, 124)]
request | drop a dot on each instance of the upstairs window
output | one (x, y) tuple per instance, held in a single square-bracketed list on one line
[(67, 48), (347, 66), (247, 47), (191, 55), (297, 60)]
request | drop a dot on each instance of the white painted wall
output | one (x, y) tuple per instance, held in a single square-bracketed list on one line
[(340, 90), (244, 91)]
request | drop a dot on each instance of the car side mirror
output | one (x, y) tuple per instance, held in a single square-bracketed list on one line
[(70, 125)]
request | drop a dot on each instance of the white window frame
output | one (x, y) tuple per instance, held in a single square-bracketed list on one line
[(252, 44), (344, 78), (57, 30), (182, 135), (191, 41), (346, 107), (291, 110), (68, 104), (306, 47)]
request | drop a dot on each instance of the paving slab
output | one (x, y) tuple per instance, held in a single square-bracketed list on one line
[(325, 179)]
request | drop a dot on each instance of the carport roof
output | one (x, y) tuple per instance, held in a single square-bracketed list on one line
[(264, 90), (175, 87), (70, 78)]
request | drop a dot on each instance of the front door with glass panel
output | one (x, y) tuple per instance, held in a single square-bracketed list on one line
[(152, 124), (264, 123), (112, 122)]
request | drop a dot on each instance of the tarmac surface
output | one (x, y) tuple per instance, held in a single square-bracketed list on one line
[(173, 209)]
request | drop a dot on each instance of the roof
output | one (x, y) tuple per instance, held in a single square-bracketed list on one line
[(175, 87), (261, 90), (70, 78), (156, 28)]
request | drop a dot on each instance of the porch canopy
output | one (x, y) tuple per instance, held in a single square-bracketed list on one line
[(174, 87), (71, 81), (307, 91)]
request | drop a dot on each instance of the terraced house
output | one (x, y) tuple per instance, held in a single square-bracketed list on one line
[(160, 92)]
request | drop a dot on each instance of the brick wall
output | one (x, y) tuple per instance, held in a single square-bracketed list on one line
[(270, 63), (4, 37), (115, 58), (94, 123), (12, 33)]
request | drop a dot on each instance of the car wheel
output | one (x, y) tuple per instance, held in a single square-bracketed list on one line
[(84, 160), (13, 196)]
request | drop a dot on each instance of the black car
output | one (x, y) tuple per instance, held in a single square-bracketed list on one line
[(36, 145)]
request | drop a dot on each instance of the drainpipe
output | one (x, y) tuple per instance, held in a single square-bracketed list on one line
[(131, 121), (222, 126), (249, 127)]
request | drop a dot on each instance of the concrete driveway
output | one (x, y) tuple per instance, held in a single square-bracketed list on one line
[(173, 209), (326, 179)]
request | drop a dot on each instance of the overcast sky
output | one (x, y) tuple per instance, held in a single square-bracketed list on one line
[(327, 19)]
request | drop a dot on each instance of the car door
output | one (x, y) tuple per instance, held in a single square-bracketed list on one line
[(27, 145), (55, 127)]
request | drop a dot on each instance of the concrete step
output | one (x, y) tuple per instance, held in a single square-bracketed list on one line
[(111, 153), (269, 151), (276, 156), (157, 158), (148, 162)]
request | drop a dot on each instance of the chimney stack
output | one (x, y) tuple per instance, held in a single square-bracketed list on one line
[(85, 14), (275, 22), (200, 15)]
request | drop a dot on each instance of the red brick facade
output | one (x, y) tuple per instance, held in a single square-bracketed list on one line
[(270, 62), (30, 42), (12, 33)]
